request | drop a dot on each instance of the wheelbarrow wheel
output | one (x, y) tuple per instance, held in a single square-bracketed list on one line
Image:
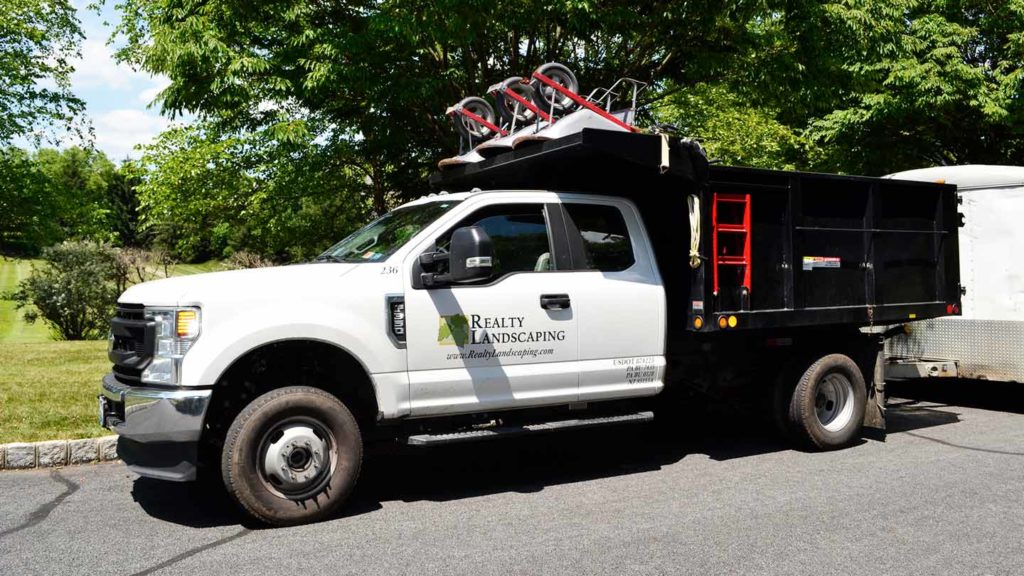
[(469, 127), (509, 108), (546, 96)]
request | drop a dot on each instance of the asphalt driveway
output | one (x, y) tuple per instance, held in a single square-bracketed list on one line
[(941, 493)]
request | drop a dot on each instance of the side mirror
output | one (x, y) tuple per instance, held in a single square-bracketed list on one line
[(470, 256)]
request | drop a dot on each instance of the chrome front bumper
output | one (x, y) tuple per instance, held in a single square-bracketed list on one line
[(159, 428)]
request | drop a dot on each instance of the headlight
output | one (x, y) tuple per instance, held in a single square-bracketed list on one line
[(176, 330)]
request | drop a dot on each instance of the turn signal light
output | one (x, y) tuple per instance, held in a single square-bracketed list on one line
[(187, 324), (733, 321), (723, 322), (698, 322)]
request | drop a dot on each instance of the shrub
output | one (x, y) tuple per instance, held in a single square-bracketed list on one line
[(73, 291), (243, 259)]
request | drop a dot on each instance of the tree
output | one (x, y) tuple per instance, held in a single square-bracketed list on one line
[(124, 213), (28, 207), (207, 194), (79, 179), (884, 85), (370, 80), (38, 39), (733, 130)]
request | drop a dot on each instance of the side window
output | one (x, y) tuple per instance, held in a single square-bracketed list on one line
[(599, 233), (519, 233)]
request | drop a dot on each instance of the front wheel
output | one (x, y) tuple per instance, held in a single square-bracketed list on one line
[(292, 456), (825, 408)]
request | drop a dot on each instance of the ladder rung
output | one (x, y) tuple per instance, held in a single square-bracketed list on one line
[(731, 198), (732, 228), (732, 260)]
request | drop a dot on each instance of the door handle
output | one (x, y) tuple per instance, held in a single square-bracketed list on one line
[(554, 301)]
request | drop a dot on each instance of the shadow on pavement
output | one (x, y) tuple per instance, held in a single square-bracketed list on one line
[(525, 465), (528, 465), (983, 394), (392, 472), (908, 415), (195, 504)]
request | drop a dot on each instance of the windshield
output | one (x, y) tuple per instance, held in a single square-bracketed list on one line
[(378, 239)]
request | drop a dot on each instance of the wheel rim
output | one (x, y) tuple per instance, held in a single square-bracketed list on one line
[(553, 96), (474, 128), (297, 458), (833, 402)]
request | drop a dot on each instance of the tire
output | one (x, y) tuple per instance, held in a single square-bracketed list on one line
[(470, 128), (825, 409), (510, 109), (292, 456), (547, 97)]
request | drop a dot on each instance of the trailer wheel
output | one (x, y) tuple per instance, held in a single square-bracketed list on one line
[(825, 409), (292, 456)]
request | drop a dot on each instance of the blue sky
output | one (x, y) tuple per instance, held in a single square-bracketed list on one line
[(116, 96)]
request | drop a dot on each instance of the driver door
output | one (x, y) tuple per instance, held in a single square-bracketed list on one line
[(507, 341)]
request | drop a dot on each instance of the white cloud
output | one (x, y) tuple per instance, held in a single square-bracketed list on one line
[(149, 94), (118, 131), (97, 68)]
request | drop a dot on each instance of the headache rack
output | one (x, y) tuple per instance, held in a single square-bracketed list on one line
[(774, 248)]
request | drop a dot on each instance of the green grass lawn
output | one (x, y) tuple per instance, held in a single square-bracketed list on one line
[(187, 269), (12, 327), (47, 388)]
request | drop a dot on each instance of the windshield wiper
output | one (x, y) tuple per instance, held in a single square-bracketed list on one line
[(328, 258)]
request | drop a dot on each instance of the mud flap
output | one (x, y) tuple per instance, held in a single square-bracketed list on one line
[(874, 409)]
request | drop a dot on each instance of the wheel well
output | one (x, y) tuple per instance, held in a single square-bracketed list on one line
[(289, 363)]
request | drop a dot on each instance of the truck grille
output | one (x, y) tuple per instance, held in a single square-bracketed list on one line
[(132, 345)]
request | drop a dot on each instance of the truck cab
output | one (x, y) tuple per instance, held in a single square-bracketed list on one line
[(399, 342)]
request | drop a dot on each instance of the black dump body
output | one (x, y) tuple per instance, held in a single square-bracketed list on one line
[(791, 248)]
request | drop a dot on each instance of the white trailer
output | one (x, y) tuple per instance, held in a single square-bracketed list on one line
[(987, 340)]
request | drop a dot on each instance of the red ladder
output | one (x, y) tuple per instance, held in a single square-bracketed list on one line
[(739, 233)]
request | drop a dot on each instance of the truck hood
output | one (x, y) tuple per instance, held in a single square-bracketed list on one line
[(256, 283)]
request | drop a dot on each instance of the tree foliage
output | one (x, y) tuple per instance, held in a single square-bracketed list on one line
[(851, 85), (50, 195), (38, 39), (370, 80), (28, 207), (78, 180), (877, 86), (206, 194)]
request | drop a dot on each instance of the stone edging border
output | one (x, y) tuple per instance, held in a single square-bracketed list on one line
[(52, 453)]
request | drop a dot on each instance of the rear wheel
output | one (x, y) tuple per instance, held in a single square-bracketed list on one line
[(825, 408), (292, 456)]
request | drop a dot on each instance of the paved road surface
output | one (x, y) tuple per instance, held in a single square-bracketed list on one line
[(941, 493)]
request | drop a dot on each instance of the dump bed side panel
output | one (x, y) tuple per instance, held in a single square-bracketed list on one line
[(829, 249)]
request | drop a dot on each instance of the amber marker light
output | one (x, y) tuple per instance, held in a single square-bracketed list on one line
[(698, 322), (722, 322), (187, 324)]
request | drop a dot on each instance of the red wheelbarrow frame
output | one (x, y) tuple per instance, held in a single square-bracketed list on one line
[(479, 120), (583, 102)]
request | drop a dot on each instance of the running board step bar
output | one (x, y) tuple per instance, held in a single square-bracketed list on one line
[(526, 429)]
